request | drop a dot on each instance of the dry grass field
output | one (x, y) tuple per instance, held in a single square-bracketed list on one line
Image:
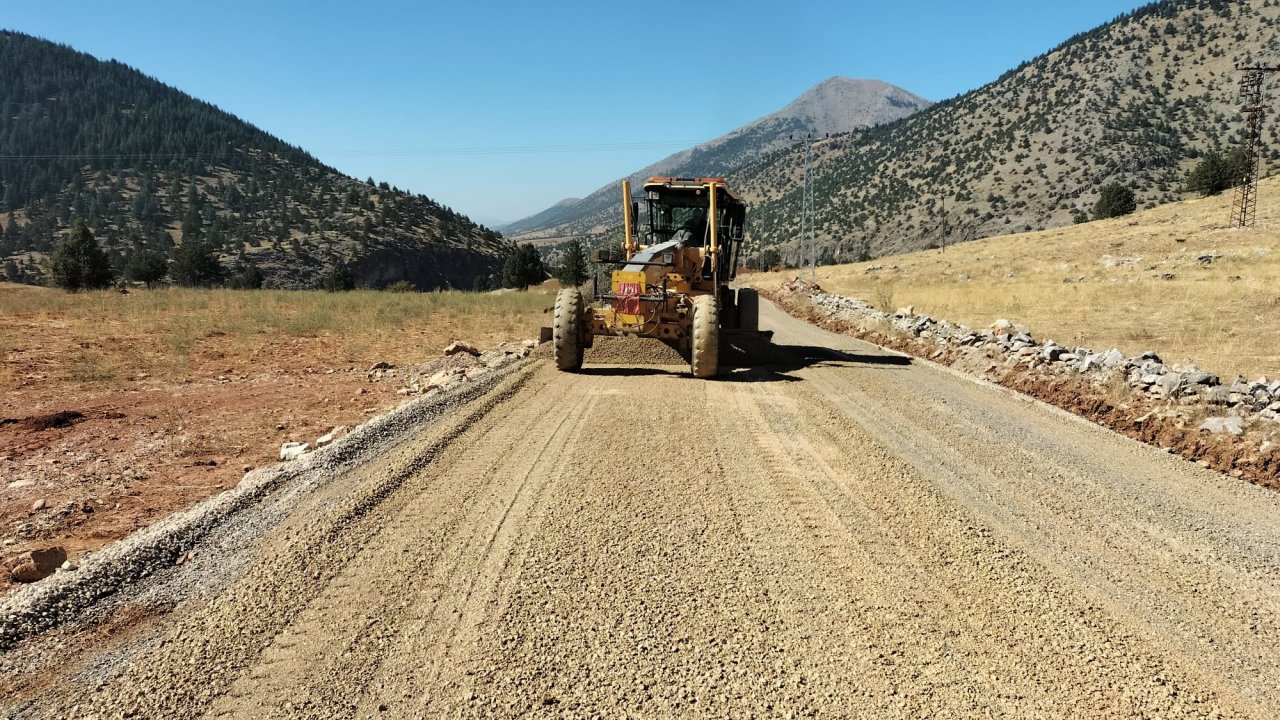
[(1174, 279), (116, 410), (105, 340)]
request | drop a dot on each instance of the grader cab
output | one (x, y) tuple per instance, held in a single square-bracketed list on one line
[(675, 286)]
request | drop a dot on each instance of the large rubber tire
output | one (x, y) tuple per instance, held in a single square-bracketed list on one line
[(566, 330), (748, 309), (728, 308), (705, 358)]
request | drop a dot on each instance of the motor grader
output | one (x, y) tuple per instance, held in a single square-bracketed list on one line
[(674, 286)]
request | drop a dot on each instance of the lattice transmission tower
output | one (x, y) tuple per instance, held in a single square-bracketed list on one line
[(808, 230), (1245, 209)]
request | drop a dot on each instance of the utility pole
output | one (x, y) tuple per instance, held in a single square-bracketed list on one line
[(807, 226), (1245, 209), (946, 225)]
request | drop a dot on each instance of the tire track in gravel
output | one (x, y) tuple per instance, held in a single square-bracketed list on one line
[(1159, 560), (419, 574), (473, 586), (1189, 558), (637, 597), (954, 589)]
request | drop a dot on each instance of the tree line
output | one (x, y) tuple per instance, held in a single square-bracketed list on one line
[(78, 262)]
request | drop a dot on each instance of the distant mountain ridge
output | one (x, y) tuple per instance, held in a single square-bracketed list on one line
[(147, 166), (837, 105)]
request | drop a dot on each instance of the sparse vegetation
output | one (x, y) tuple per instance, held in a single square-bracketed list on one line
[(1028, 150), (766, 259)]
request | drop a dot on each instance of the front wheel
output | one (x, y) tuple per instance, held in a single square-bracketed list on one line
[(705, 358), (566, 330)]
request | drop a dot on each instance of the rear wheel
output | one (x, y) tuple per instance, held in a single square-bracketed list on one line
[(728, 308), (566, 330), (748, 309), (705, 358)]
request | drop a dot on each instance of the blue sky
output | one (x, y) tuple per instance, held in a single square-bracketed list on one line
[(499, 109)]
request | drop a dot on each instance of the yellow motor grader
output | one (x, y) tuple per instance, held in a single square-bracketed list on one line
[(675, 286)]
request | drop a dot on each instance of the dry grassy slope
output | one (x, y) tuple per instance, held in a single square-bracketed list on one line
[(1135, 282), (1133, 101)]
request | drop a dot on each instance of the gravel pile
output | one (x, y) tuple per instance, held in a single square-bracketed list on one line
[(632, 351)]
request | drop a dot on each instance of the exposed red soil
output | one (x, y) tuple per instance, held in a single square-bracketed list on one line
[(80, 469), (1161, 424)]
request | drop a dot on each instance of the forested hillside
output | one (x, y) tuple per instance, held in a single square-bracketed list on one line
[(149, 168), (1137, 101)]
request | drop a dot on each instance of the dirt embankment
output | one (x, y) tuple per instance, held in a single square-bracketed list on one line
[(80, 478), (1252, 456)]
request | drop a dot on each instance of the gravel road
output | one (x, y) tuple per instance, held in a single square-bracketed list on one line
[(840, 533)]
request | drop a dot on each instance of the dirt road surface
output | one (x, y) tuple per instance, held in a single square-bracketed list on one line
[(841, 533)]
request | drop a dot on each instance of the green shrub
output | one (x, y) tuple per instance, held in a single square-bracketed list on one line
[(1114, 200), (78, 263)]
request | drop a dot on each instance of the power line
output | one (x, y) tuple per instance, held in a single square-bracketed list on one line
[(387, 152)]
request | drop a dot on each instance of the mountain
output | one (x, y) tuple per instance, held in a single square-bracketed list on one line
[(1136, 101), (551, 216), (837, 105), (148, 167)]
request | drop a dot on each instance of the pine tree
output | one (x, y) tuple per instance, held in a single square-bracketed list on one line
[(246, 276), (573, 272), (78, 263), (1217, 172), (338, 279), (145, 266), (195, 264), (523, 268)]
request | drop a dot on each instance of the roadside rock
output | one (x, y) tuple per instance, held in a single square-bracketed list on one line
[(1112, 358), (38, 564), (293, 450), (330, 436), (1229, 424), (458, 346)]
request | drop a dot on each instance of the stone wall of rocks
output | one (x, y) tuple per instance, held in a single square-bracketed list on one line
[(1232, 405)]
